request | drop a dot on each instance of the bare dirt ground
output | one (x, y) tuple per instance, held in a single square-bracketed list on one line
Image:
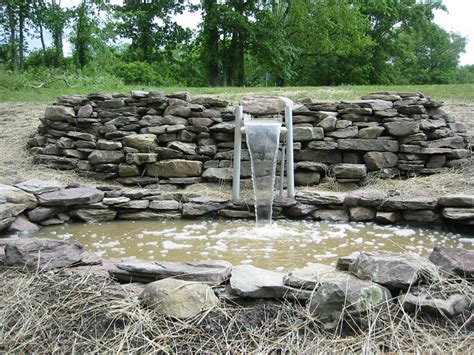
[(20, 120)]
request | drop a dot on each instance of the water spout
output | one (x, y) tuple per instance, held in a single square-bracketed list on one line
[(263, 138)]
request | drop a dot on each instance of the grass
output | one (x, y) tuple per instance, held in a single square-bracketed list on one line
[(68, 313), (451, 93)]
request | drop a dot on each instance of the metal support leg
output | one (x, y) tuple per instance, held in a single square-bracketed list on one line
[(290, 177), (239, 111)]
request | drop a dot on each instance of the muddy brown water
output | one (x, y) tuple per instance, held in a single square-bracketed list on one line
[(282, 246)]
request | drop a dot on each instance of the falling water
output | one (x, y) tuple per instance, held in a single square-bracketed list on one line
[(263, 138)]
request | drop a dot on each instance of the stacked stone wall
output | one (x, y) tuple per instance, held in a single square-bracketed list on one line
[(147, 137)]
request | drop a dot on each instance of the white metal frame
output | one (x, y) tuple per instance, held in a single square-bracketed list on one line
[(288, 129)]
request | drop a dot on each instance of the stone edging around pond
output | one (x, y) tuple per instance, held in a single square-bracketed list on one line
[(359, 283), (33, 203), (147, 138)]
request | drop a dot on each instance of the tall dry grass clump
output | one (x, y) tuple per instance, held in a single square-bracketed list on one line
[(66, 312)]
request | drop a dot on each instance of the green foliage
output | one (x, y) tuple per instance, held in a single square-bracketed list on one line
[(137, 73)]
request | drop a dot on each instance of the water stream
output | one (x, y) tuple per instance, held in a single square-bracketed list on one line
[(263, 137)]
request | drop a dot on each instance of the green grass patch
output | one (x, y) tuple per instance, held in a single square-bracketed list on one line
[(451, 93)]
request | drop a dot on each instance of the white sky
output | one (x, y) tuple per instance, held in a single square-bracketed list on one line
[(459, 18)]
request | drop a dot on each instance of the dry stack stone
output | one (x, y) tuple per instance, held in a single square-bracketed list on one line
[(147, 137)]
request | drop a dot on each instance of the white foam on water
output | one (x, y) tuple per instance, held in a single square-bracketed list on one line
[(467, 240), (168, 244), (106, 245)]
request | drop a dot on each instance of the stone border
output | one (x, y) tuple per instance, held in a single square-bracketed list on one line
[(34, 203), (360, 282)]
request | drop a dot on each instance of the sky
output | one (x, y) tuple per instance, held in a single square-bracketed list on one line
[(458, 18)]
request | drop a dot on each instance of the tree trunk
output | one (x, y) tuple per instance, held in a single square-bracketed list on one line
[(43, 45), (213, 42), (21, 47), (241, 60), (12, 24)]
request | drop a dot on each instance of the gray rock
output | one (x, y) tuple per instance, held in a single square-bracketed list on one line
[(208, 271), (262, 105), (59, 113), (349, 171), (331, 215), (81, 135), (91, 215), (409, 203), (434, 303), (228, 213), (321, 156), (46, 254), (381, 145), (106, 156), (200, 121), (142, 142), (328, 124), (141, 158), (387, 217), (391, 270), (430, 124), (307, 133), (344, 261), (311, 166), (323, 145), (126, 170), (362, 214), (253, 282), (175, 168), (371, 132), (22, 225), (187, 148), (166, 129), (176, 110), (349, 132), (85, 111), (146, 215), (164, 205), (306, 178), (455, 142), (108, 145), (457, 200), (380, 160), (454, 261), (39, 214), (365, 198), (110, 201), (343, 292), (299, 210), (424, 216), (320, 197), (384, 97), (70, 197), (6, 222), (17, 196), (218, 174), (308, 277), (167, 153), (8, 210), (112, 103), (436, 161), (36, 186), (402, 128), (134, 205), (178, 299)]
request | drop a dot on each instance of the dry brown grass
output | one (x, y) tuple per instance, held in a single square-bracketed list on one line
[(66, 313)]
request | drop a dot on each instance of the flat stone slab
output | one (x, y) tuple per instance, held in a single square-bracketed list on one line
[(22, 225), (308, 277), (36, 186), (391, 270), (454, 261), (250, 281), (178, 298), (70, 197), (47, 254), (431, 302), (457, 201), (409, 203), (320, 197), (461, 215), (208, 271)]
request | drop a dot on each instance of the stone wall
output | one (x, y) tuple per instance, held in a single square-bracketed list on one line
[(147, 137), (34, 203)]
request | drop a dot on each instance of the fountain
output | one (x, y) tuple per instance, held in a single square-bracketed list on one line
[(263, 137)]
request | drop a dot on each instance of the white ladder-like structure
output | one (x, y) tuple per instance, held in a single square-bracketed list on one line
[(288, 149)]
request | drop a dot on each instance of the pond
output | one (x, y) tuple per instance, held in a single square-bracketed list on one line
[(283, 245)]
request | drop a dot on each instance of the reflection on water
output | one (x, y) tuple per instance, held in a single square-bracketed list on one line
[(283, 245)]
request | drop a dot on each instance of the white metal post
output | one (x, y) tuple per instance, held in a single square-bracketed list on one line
[(239, 111), (290, 178)]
